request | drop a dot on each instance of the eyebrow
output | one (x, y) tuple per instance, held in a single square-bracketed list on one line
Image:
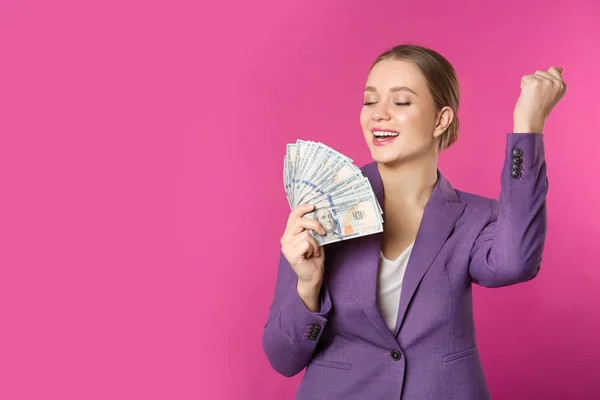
[(393, 89)]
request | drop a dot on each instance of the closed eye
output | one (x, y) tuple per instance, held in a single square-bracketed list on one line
[(398, 104)]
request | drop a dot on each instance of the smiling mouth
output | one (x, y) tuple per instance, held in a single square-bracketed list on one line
[(383, 137), (384, 134)]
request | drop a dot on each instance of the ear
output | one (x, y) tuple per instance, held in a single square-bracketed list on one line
[(444, 118)]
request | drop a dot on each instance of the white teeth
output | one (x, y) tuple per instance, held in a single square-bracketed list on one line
[(380, 133)]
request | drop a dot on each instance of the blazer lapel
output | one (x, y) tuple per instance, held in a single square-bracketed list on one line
[(367, 264), (439, 217)]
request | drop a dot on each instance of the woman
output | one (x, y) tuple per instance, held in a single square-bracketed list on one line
[(390, 315)]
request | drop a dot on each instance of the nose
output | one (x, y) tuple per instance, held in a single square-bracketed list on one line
[(380, 112)]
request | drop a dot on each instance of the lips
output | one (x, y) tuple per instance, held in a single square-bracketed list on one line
[(383, 136), (382, 132)]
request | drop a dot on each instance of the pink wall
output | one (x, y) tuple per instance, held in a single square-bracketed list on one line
[(141, 153)]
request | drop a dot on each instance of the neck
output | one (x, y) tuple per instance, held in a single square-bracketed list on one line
[(409, 183)]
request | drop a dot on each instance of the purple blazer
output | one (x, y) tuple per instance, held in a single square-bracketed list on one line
[(347, 349)]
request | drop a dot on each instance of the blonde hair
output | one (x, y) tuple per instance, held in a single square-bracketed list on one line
[(441, 80)]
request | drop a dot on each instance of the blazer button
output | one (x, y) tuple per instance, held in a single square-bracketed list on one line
[(396, 355), (517, 152), (517, 160), (315, 329), (516, 174), (517, 167)]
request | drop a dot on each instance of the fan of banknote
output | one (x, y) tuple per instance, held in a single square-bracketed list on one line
[(344, 201)]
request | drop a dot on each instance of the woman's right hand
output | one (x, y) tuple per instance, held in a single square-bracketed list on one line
[(301, 249)]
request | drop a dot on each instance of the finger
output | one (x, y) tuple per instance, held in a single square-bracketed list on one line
[(297, 213), (551, 76), (306, 223), (547, 75), (306, 237), (556, 72), (321, 253), (315, 246), (304, 248), (300, 211), (528, 79), (296, 246), (298, 239)]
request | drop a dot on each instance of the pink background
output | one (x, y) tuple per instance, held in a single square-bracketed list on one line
[(141, 154)]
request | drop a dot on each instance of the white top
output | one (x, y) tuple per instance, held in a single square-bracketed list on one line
[(389, 284)]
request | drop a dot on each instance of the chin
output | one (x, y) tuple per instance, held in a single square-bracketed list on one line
[(387, 160), (385, 157)]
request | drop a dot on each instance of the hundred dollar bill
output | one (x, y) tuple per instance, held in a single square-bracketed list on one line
[(285, 179), (348, 188), (339, 170), (356, 217), (319, 195), (307, 160), (300, 152), (358, 188), (321, 164), (291, 154), (320, 159), (317, 174)]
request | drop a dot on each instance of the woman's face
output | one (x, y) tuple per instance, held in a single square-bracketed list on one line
[(397, 100)]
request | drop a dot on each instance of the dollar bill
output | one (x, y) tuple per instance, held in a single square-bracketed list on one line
[(358, 216), (345, 204)]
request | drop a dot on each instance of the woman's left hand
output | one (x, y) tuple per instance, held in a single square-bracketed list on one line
[(540, 92)]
